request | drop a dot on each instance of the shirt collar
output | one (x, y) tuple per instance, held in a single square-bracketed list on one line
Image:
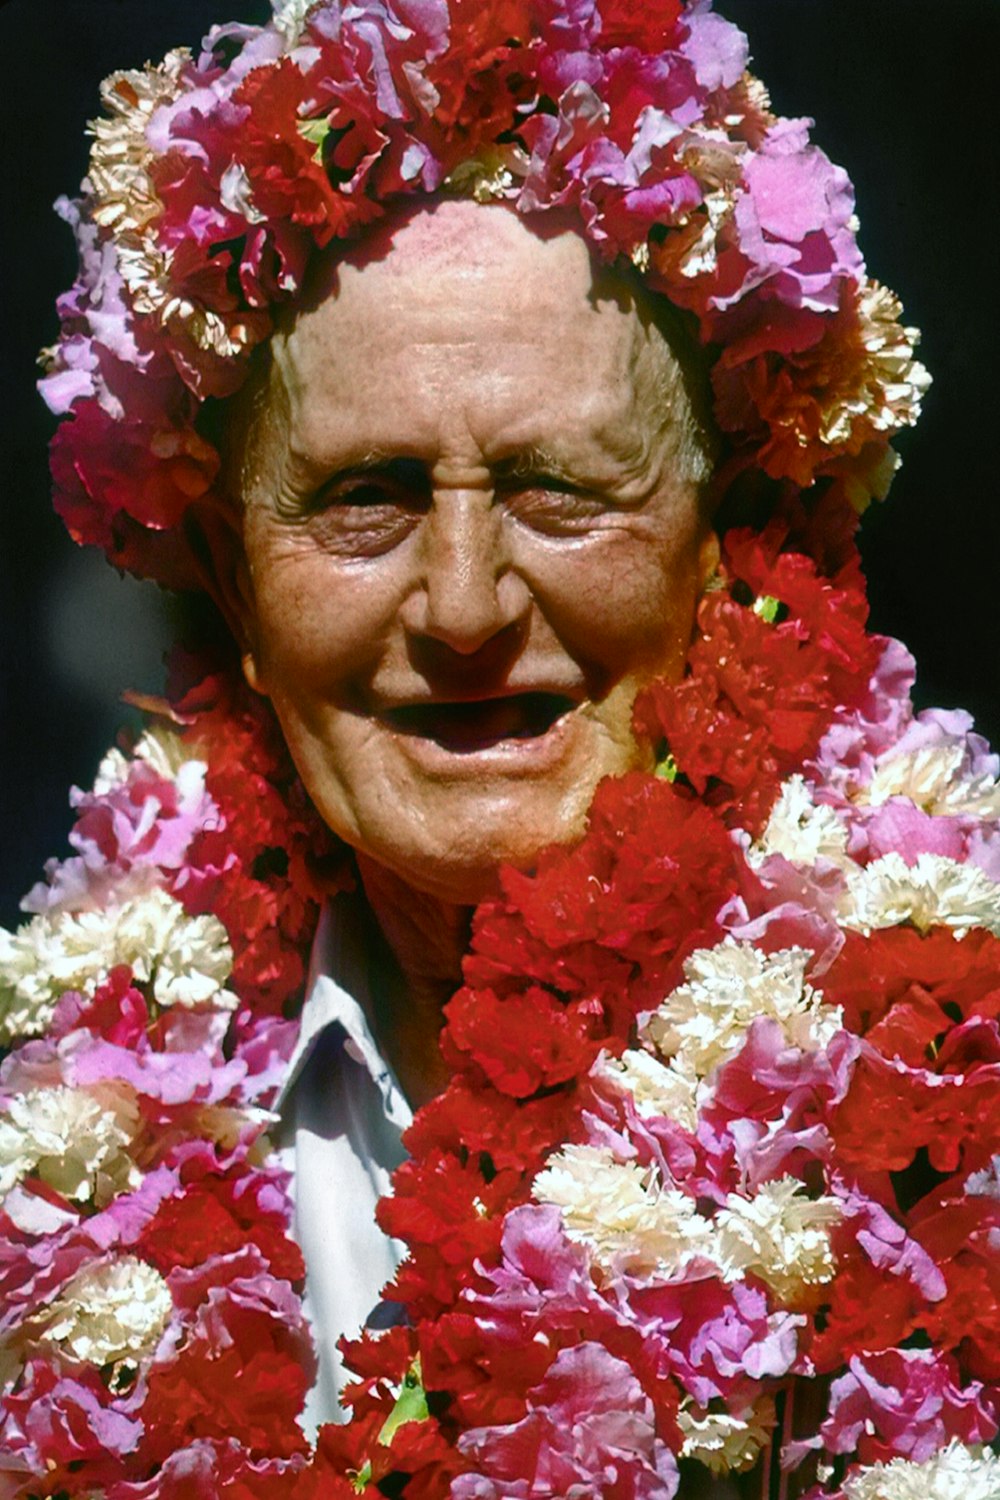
[(337, 994)]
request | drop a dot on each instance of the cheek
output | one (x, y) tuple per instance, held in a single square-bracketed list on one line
[(623, 602), (316, 623)]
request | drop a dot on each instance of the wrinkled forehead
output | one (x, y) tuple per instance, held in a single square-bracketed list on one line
[(476, 305), (451, 274)]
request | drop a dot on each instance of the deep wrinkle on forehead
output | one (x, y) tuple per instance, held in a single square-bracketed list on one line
[(625, 411), (613, 425)]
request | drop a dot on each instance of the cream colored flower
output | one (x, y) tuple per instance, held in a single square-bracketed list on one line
[(935, 891), (725, 1443), (164, 750), (116, 1311), (185, 960), (621, 1213), (488, 175), (933, 779), (801, 830), (667, 1090), (748, 105), (956, 1473), (125, 200), (693, 248), (780, 1235), (77, 1141), (897, 382), (290, 18), (704, 1023), (888, 387)]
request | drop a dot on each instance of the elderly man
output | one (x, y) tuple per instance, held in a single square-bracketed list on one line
[(635, 874), (462, 552)]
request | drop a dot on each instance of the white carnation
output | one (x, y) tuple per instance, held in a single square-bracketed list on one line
[(165, 751), (124, 198), (985, 1183), (621, 1213), (801, 830), (704, 1022), (956, 1473), (934, 778), (112, 1312), (935, 891), (186, 960), (76, 1140), (780, 1235), (111, 773), (659, 1089), (725, 1443), (290, 18)]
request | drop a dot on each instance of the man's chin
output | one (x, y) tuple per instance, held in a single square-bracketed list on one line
[(466, 869)]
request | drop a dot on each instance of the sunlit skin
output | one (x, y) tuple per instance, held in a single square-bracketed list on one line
[(472, 528)]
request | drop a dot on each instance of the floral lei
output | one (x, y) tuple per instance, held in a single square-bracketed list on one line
[(715, 1175), (716, 1167)]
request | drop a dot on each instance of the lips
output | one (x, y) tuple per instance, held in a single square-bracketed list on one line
[(466, 727)]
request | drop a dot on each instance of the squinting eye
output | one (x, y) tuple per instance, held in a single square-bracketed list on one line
[(556, 511), (362, 520), (360, 495), (364, 515)]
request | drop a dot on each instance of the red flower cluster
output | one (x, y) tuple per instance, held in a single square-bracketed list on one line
[(282, 151), (559, 967), (918, 1127), (480, 74), (781, 649), (610, 922), (266, 868), (144, 489), (927, 1079)]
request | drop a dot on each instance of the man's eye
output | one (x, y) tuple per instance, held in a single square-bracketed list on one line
[(362, 518), (360, 495), (555, 508), (401, 482)]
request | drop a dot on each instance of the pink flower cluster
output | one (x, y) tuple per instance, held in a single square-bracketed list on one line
[(215, 179), (151, 1320)]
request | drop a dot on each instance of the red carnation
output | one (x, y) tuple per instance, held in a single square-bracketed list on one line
[(765, 676), (217, 1215), (613, 918)]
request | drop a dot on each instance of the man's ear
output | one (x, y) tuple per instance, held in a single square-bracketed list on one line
[(215, 534)]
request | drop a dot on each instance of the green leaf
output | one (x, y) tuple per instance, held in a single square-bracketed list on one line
[(767, 607), (316, 132), (411, 1406), (667, 769), (362, 1479)]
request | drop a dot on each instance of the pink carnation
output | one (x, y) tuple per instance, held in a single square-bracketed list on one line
[(588, 1424), (794, 223), (906, 1403), (146, 822)]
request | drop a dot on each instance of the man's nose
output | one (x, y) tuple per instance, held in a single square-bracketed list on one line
[(467, 589)]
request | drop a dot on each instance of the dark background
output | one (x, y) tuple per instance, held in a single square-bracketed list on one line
[(904, 95)]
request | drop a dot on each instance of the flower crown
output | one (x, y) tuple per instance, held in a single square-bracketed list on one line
[(214, 179)]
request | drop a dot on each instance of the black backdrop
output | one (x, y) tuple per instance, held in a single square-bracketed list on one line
[(904, 94)]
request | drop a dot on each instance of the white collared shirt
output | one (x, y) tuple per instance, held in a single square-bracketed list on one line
[(342, 1115)]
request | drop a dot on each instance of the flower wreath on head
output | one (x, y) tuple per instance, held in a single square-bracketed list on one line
[(715, 1178)]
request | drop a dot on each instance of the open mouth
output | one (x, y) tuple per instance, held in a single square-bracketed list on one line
[(466, 727)]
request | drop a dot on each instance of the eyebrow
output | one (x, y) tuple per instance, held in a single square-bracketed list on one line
[(534, 461), (524, 463)]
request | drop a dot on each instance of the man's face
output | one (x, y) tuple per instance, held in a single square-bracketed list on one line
[(471, 534)]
